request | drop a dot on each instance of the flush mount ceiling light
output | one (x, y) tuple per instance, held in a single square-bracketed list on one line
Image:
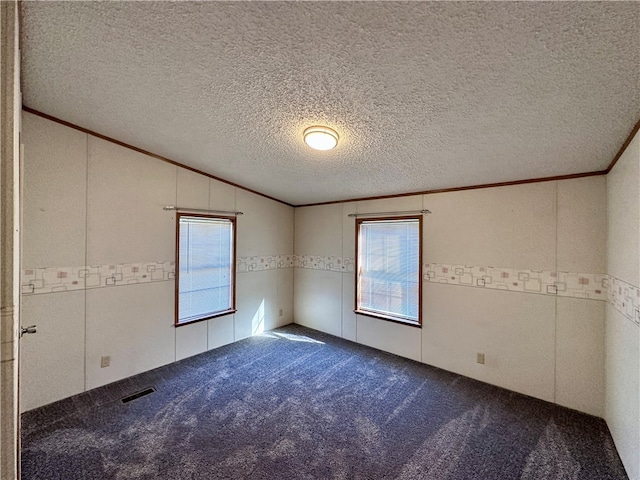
[(321, 138)]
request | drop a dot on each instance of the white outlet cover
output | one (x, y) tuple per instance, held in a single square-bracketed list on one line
[(105, 361)]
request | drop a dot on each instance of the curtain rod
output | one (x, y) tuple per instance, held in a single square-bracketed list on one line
[(408, 212), (185, 209)]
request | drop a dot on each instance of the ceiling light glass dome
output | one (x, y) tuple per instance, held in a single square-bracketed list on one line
[(321, 138)]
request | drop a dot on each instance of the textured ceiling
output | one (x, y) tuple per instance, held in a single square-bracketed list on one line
[(424, 95)]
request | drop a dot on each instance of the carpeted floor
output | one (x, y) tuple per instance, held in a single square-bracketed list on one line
[(298, 404)]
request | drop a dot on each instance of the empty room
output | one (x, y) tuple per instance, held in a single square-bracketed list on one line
[(320, 240)]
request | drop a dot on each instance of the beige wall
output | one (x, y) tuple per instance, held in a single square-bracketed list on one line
[(622, 366), (540, 344), (89, 203)]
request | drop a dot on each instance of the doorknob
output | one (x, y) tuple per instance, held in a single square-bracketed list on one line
[(29, 329)]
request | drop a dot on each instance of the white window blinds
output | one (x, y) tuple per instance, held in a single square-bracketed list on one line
[(389, 268), (205, 267)]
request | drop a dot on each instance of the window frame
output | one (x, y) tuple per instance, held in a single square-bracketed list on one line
[(221, 313), (372, 313)]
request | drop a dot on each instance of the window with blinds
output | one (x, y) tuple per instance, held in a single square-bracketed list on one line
[(389, 257), (205, 261)]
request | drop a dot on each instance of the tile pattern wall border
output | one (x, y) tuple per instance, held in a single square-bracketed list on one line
[(625, 298), (62, 279), (622, 296), (318, 262), (263, 262), (37, 281), (542, 282)]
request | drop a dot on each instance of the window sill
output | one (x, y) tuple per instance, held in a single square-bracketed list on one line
[(389, 318), (207, 317)]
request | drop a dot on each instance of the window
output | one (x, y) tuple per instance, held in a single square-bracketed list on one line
[(388, 266), (205, 260)]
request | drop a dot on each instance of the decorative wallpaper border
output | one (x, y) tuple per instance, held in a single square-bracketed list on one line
[(37, 281), (63, 279), (625, 298), (622, 296), (564, 284), (264, 262), (333, 264), (543, 282)]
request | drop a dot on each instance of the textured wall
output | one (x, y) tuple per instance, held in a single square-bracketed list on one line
[(623, 323), (99, 262), (517, 273)]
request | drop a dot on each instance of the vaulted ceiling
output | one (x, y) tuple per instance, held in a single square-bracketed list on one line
[(424, 95)]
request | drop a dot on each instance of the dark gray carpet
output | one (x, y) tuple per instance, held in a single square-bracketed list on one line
[(299, 404)]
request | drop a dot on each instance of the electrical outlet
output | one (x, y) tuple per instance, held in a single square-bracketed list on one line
[(280, 314), (105, 361), (480, 358)]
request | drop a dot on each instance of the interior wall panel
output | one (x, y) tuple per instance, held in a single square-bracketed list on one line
[(349, 317), (512, 226), (580, 355), (133, 325), (402, 340), (222, 196), (318, 230), (192, 190), (54, 194), (52, 360), (317, 300), (515, 332), (258, 226), (220, 331), (257, 303), (285, 297), (125, 219), (191, 339), (623, 212), (582, 225)]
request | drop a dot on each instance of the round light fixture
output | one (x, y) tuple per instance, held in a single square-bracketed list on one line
[(321, 138)]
